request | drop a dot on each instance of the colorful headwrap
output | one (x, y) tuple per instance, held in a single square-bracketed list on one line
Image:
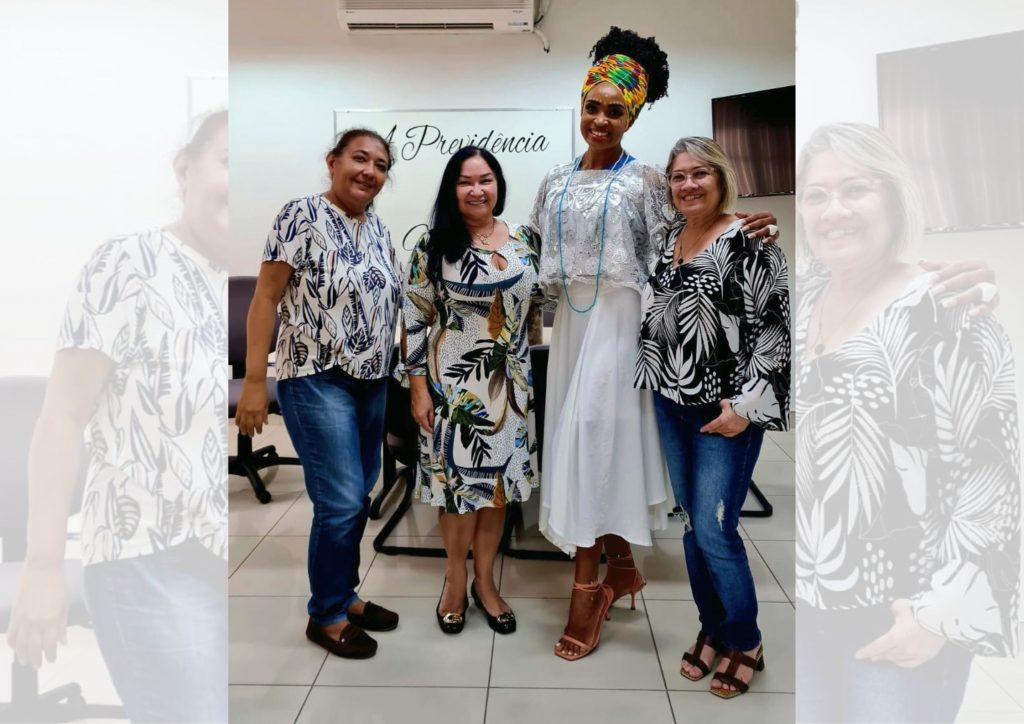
[(625, 74)]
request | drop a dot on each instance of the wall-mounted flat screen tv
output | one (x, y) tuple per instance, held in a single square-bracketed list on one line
[(956, 112), (757, 131)]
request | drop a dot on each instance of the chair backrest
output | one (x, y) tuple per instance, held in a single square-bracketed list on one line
[(23, 401), (398, 420), (240, 291)]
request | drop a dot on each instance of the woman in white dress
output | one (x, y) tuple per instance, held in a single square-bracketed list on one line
[(600, 219)]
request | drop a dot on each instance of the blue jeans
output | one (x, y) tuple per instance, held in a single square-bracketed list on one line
[(710, 476), (336, 423), (161, 623), (832, 685)]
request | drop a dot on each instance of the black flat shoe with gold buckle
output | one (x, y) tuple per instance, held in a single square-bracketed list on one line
[(503, 623), (451, 622)]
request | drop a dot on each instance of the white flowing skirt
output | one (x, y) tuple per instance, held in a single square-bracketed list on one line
[(603, 470)]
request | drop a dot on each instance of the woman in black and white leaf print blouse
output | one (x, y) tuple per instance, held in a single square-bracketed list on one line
[(330, 264), (714, 347), (907, 468)]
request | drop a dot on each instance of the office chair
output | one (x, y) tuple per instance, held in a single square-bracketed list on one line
[(401, 449), (23, 401), (248, 462)]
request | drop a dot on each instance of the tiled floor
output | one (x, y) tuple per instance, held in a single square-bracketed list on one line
[(421, 675)]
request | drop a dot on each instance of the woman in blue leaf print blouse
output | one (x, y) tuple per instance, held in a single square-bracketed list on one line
[(330, 265)]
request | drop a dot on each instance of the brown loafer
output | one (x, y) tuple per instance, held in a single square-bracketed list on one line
[(375, 618), (351, 643)]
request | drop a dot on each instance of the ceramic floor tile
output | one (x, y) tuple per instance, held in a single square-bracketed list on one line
[(265, 704), (277, 567), (267, 641), (780, 526), (555, 706), (405, 575), (1008, 673), (700, 706), (665, 570), (521, 578), (240, 546), (625, 658), (985, 696), (775, 477), (675, 627), (247, 516), (420, 520), (297, 520), (376, 705), (990, 717), (418, 653), (772, 452), (780, 555), (786, 441)]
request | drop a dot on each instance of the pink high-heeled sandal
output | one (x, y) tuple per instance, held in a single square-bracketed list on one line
[(593, 589)]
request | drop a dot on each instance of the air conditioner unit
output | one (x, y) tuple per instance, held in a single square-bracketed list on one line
[(436, 16)]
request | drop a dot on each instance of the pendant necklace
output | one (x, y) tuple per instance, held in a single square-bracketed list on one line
[(615, 169)]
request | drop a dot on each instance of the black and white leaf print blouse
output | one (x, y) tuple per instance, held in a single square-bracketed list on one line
[(908, 477), (340, 308), (717, 328)]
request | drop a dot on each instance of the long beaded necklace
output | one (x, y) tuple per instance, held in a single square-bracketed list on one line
[(615, 169)]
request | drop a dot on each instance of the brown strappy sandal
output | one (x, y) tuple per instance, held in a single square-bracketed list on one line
[(605, 594), (625, 563), (693, 658), (736, 660)]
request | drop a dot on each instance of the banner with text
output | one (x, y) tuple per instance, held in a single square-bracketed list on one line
[(527, 143)]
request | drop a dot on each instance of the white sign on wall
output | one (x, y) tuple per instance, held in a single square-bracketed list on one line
[(527, 143)]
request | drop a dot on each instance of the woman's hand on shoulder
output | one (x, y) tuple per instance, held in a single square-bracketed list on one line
[(971, 281), (760, 224), (728, 423)]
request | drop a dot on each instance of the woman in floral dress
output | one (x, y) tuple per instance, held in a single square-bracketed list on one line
[(471, 282)]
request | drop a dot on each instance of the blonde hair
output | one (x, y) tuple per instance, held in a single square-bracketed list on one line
[(707, 151), (868, 147)]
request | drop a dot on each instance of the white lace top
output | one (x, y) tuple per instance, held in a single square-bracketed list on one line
[(638, 217)]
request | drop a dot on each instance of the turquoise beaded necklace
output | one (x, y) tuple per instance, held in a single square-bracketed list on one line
[(615, 169)]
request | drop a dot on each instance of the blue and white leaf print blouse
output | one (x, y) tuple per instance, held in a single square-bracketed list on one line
[(157, 441), (340, 307)]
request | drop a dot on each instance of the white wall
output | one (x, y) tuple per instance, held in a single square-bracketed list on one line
[(838, 42), (95, 106), (290, 70)]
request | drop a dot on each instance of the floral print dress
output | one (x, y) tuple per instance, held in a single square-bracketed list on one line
[(468, 335)]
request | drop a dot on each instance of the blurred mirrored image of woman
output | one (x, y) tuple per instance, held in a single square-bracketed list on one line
[(140, 374), (907, 465)]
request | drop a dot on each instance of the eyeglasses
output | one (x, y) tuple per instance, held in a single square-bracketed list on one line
[(849, 193), (698, 175)]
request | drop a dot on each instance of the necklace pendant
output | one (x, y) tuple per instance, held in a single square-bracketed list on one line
[(819, 348)]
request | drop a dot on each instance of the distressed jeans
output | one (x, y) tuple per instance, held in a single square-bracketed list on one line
[(710, 476), (336, 423)]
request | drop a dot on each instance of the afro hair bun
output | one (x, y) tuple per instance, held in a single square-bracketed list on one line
[(644, 51)]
